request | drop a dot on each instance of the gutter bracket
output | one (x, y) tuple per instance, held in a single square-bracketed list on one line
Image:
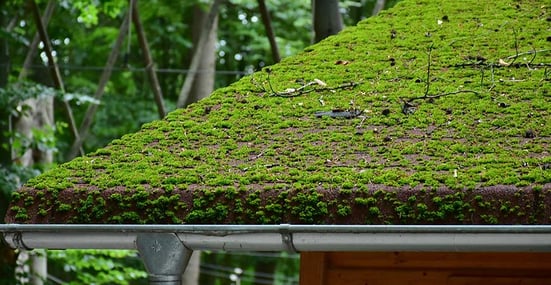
[(17, 239), (165, 257), (287, 238)]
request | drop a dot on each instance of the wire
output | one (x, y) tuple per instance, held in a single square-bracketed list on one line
[(56, 280), (271, 255), (246, 278), (246, 274), (131, 69)]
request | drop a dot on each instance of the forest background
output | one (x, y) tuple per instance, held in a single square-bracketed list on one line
[(113, 74)]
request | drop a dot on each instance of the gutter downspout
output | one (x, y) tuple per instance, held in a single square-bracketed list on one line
[(164, 256)]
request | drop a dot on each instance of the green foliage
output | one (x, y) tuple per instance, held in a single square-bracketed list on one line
[(97, 266), (13, 176), (89, 10)]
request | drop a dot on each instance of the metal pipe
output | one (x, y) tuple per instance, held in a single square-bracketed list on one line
[(290, 237), (164, 256)]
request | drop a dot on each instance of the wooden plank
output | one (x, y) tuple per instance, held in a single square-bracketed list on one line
[(385, 277), (465, 280), (438, 260), (429, 277), (313, 266)]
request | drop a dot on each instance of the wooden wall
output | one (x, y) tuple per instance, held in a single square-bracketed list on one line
[(415, 268)]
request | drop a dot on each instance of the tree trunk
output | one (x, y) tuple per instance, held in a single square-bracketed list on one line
[(380, 5), (7, 255), (326, 18), (203, 82), (38, 117), (199, 63), (191, 274), (269, 30)]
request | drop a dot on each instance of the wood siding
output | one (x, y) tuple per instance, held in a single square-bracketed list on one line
[(412, 268)]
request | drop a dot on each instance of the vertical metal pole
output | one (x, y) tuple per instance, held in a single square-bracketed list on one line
[(165, 257)]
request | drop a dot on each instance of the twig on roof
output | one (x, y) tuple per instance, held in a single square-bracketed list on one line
[(257, 84), (493, 79), (441, 95), (516, 47), (295, 92), (428, 69), (533, 51), (534, 57), (546, 74), (407, 106), (504, 63), (269, 71)]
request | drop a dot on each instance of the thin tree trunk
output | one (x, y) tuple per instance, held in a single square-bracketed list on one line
[(380, 5), (149, 65), (106, 74), (40, 116), (203, 79), (36, 39), (326, 18), (269, 30), (54, 68), (197, 56), (191, 274)]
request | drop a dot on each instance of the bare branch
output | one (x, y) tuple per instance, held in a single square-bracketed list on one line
[(428, 69), (295, 92), (56, 74), (441, 95), (516, 47)]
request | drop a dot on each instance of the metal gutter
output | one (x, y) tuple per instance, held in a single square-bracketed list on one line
[(166, 249), (286, 237)]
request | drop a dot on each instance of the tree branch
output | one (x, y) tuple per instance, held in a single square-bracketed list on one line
[(36, 39), (149, 65), (295, 92), (54, 68), (441, 95)]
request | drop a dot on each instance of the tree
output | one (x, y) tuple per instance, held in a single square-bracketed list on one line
[(380, 5), (327, 18), (201, 73)]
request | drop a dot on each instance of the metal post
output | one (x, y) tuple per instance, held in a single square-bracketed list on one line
[(165, 257)]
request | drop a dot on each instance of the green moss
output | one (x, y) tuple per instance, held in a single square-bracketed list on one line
[(20, 213), (64, 207), (259, 158)]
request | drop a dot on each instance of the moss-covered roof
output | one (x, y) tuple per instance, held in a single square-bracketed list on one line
[(347, 132)]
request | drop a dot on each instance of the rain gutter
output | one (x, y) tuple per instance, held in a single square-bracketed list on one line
[(287, 237), (166, 249)]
